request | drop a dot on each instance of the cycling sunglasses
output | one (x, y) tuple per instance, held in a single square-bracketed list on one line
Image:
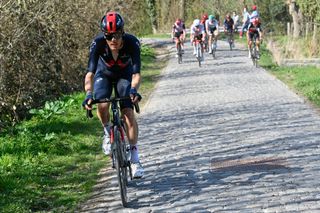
[(116, 36)]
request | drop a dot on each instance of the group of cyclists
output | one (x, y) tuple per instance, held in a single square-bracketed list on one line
[(206, 30), (114, 59)]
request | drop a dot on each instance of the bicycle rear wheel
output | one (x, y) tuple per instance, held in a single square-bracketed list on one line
[(121, 167)]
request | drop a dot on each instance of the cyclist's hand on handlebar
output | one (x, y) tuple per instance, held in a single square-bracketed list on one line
[(135, 96), (87, 101)]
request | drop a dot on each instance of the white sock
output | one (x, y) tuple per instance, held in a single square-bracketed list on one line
[(106, 129), (134, 153)]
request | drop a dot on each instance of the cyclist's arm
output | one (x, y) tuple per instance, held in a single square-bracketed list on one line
[(172, 32), (88, 82), (92, 66), (136, 65), (136, 79)]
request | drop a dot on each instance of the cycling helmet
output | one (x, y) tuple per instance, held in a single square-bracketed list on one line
[(211, 17), (205, 16), (254, 7), (196, 22), (111, 22)]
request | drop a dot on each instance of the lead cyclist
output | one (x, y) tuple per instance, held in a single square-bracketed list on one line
[(115, 58)]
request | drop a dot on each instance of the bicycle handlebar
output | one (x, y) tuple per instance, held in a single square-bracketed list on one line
[(111, 100)]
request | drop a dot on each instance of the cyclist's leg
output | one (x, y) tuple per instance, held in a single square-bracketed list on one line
[(249, 39), (216, 34), (102, 89), (123, 88), (210, 42), (258, 41), (181, 42), (194, 45)]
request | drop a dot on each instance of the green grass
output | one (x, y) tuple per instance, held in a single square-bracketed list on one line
[(51, 162), (158, 35), (305, 80)]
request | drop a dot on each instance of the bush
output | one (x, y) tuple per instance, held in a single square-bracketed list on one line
[(44, 49)]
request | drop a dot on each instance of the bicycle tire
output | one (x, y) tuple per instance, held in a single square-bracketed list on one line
[(179, 53), (121, 167), (253, 57)]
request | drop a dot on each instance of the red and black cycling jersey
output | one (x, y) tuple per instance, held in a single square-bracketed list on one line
[(254, 29), (127, 63)]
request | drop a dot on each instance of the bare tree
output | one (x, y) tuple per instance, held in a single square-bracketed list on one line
[(152, 14), (296, 17)]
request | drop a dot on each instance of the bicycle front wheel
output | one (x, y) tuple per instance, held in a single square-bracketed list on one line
[(179, 54), (121, 167)]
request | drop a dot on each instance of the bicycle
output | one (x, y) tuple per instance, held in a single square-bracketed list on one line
[(199, 54), (120, 148), (254, 51)]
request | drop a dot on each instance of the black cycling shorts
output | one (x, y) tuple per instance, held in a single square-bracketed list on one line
[(103, 88), (177, 34), (252, 34)]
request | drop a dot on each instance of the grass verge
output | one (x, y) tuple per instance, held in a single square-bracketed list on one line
[(51, 162), (304, 80)]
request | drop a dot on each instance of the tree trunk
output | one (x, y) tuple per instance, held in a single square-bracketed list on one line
[(152, 15), (182, 3), (296, 17)]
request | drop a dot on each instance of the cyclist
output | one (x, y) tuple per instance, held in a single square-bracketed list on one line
[(254, 29), (115, 58), (203, 22), (179, 33), (197, 32), (236, 20), (245, 21), (229, 26), (212, 29)]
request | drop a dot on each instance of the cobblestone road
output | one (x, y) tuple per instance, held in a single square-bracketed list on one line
[(226, 137)]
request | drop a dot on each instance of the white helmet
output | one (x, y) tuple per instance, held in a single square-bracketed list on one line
[(196, 22)]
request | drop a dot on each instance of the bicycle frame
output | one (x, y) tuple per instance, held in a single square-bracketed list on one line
[(254, 51), (120, 150), (179, 50)]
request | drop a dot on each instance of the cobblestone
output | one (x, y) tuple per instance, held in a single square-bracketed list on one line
[(226, 137)]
